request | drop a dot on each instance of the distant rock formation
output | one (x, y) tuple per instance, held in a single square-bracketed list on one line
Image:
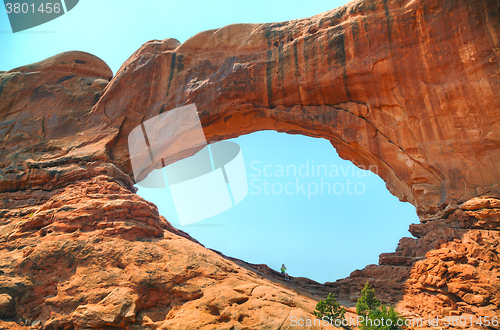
[(411, 86)]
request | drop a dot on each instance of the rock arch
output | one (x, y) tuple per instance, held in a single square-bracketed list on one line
[(389, 83), (409, 86)]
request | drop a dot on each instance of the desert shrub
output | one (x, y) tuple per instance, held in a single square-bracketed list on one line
[(330, 310), (376, 315)]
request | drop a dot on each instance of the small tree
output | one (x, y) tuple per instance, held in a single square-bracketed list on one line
[(330, 309), (371, 309), (367, 301)]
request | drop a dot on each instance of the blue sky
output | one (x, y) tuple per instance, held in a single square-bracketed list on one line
[(322, 236)]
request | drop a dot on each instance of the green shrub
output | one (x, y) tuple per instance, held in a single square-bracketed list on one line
[(367, 301), (330, 309), (376, 315)]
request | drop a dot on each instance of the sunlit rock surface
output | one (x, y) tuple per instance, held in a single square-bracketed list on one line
[(409, 86)]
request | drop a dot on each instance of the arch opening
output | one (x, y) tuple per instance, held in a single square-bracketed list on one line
[(306, 207)]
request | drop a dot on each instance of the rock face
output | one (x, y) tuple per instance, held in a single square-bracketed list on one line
[(451, 268), (411, 87), (79, 249), (96, 255)]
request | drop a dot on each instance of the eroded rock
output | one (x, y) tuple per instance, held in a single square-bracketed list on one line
[(410, 87)]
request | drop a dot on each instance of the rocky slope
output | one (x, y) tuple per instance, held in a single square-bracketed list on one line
[(411, 86), (96, 255)]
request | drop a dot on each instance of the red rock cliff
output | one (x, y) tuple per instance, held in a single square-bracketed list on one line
[(409, 86)]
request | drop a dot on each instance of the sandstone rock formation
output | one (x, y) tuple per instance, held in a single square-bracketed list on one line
[(404, 85), (451, 268), (97, 255), (79, 249), (411, 86)]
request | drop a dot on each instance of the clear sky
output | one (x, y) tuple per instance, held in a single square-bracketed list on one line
[(322, 236)]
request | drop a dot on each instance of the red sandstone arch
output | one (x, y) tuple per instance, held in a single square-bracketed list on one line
[(408, 86), (411, 86)]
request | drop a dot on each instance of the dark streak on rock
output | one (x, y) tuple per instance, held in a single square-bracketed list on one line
[(64, 79), (296, 57), (180, 62), (281, 63), (355, 34), (366, 26), (3, 83), (205, 122), (97, 96), (337, 44), (269, 77), (172, 71), (388, 21)]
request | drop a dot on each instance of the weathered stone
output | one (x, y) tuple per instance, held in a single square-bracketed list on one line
[(410, 87), (396, 84), (7, 305)]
